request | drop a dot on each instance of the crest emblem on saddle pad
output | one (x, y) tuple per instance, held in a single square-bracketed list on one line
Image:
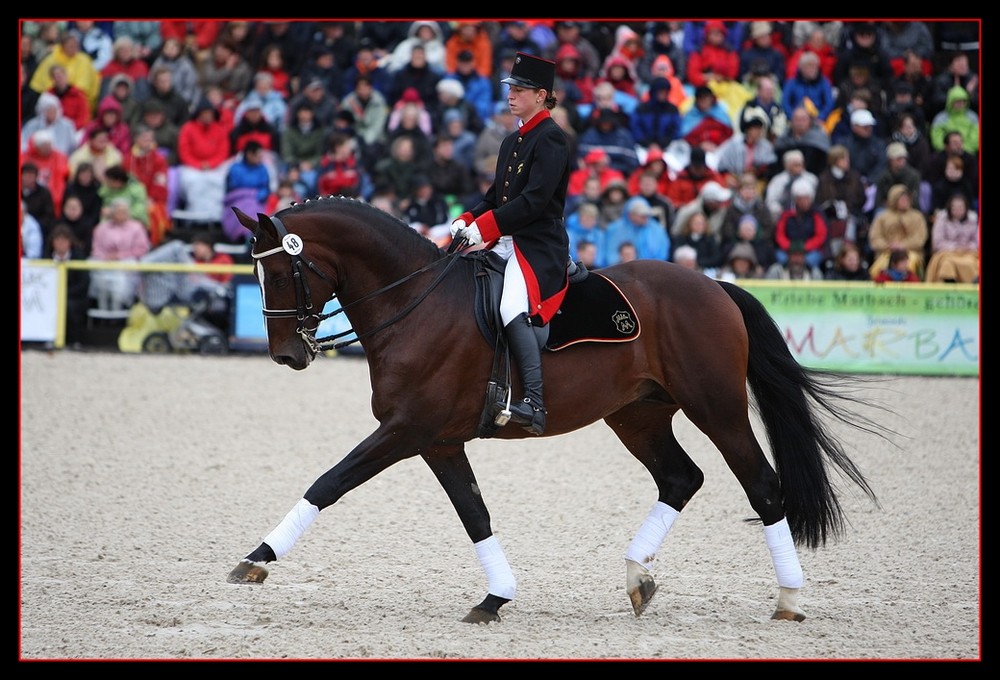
[(623, 321)]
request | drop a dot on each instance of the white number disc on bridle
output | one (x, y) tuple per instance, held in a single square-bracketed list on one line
[(292, 244)]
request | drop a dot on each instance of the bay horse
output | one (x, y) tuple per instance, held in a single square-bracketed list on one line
[(702, 342)]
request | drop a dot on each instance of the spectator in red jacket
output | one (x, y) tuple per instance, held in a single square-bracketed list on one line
[(596, 163), (687, 185), (149, 166), (126, 61), (804, 223), (52, 166), (198, 36), (340, 173), (110, 117), (203, 142), (898, 270), (203, 148), (75, 105), (715, 60)]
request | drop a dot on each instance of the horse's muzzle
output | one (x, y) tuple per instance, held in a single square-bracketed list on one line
[(298, 357)]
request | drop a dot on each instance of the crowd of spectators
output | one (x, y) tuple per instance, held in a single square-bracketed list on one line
[(778, 149)]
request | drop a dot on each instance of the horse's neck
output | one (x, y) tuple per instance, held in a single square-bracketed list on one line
[(380, 283)]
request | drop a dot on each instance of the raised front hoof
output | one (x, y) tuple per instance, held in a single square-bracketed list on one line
[(487, 611), (247, 572), (786, 615), (639, 585)]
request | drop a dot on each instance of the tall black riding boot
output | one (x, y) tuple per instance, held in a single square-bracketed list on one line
[(523, 342)]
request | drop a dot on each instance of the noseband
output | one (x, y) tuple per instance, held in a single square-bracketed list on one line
[(293, 245)]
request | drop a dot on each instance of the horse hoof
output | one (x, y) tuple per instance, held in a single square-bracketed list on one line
[(639, 585), (247, 572), (477, 615), (788, 608), (641, 595), (787, 615)]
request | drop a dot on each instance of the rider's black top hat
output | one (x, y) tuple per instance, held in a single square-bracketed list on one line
[(533, 72)]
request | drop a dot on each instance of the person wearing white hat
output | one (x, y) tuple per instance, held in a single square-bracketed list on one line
[(778, 193), (862, 118), (749, 150), (713, 200), (49, 116), (866, 147)]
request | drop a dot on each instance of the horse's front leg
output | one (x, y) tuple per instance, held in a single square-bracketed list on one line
[(451, 467), (378, 451)]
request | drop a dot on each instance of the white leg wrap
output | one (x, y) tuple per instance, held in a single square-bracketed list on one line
[(499, 577), (283, 537), (783, 554), (651, 534)]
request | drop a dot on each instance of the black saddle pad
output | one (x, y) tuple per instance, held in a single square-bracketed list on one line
[(594, 310)]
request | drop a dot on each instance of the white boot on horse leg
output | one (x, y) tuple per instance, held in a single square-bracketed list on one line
[(276, 544), (639, 583), (788, 570), (501, 582)]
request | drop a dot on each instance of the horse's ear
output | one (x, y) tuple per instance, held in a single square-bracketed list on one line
[(267, 226), (245, 220)]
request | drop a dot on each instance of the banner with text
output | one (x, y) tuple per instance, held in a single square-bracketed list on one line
[(892, 328), (39, 302)]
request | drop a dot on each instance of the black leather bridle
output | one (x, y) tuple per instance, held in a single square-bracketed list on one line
[(304, 308)]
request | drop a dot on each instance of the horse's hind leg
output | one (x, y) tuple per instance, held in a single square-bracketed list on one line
[(646, 430), (451, 467), (726, 422)]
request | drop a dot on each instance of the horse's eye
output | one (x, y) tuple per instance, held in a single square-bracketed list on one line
[(280, 281)]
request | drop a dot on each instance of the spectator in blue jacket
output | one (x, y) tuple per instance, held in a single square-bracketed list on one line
[(761, 53), (638, 227), (656, 120), (584, 224), (808, 85), (250, 172), (617, 141), (478, 88)]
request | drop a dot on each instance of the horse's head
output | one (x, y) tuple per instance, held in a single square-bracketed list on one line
[(293, 290)]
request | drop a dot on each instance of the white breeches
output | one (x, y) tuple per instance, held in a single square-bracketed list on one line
[(514, 299)]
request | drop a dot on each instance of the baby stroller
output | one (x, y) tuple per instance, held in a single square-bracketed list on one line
[(182, 312), (188, 328)]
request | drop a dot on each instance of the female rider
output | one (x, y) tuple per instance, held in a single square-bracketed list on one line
[(521, 219)]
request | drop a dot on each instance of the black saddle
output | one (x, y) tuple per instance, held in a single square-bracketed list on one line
[(594, 310)]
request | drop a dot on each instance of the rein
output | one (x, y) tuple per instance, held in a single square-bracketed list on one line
[(291, 244)]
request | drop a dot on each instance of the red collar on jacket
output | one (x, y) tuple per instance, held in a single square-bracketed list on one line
[(533, 123)]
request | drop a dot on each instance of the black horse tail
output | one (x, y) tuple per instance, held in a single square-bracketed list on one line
[(790, 399)]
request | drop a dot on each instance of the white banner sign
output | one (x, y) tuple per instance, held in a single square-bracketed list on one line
[(38, 302)]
